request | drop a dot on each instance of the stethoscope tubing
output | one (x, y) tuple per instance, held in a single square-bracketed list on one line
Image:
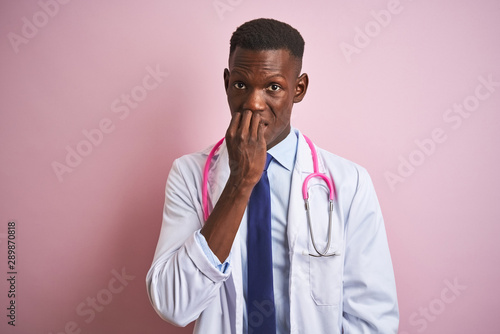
[(305, 194), (204, 187)]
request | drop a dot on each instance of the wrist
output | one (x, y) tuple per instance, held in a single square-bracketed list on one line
[(238, 187)]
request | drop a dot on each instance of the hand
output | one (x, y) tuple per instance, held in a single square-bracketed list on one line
[(246, 147)]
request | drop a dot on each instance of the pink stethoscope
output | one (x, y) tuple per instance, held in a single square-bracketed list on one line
[(305, 194)]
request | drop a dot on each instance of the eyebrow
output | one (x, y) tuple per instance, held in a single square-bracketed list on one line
[(277, 75), (269, 77)]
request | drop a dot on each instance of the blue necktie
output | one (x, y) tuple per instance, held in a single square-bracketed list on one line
[(261, 314)]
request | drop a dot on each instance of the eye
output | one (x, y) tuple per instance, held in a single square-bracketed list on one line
[(274, 87), (239, 85)]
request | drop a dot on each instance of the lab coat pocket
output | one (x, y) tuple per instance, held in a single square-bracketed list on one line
[(325, 280)]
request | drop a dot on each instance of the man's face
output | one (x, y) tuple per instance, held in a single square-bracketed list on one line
[(265, 82)]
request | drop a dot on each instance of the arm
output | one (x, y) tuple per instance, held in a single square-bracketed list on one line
[(182, 281), (370, 302), (247, 155)]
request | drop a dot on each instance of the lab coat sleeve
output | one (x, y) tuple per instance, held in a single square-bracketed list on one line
[(369, 295), (182, 281)]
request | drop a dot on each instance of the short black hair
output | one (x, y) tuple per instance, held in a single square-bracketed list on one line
[(267, 34)]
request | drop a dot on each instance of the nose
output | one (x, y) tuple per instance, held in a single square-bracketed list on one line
[(254, 101)]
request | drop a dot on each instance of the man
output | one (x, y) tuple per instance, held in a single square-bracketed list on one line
[(213, 271)]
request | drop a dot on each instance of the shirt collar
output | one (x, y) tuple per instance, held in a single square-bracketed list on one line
[(285, 151)]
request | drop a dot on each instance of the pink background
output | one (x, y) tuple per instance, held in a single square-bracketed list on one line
[(370, 107)]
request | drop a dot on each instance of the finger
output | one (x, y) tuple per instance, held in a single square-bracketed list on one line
[(234, 124), (261, 134), (246, 118), (254, 126)]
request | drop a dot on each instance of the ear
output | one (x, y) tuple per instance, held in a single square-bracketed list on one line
[(300, 87), (226, 79)]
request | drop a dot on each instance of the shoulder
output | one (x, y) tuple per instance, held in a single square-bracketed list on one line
[(330, 158), (191, 165), (190, 161), (344, 171), (193, 161)]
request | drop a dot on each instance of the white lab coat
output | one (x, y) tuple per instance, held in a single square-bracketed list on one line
[(351, 293)]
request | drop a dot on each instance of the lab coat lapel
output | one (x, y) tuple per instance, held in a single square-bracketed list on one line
[(297, 219), (297, 216)]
